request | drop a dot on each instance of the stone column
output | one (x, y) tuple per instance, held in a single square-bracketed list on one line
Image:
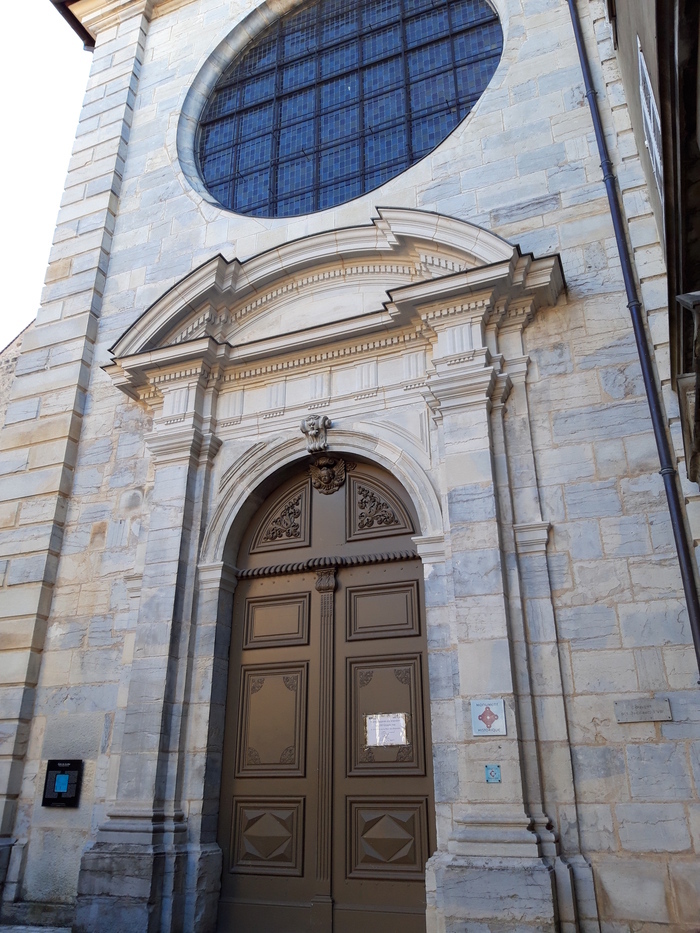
[(491, 865), (40, 437), (133, 875)]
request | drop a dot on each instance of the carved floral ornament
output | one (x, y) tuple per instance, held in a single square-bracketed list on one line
[(218, 321)]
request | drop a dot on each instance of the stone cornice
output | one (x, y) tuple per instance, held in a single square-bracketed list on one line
[(98, 15)]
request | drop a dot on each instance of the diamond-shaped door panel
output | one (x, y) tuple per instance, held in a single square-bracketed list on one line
[(266, 836), (388, 837)]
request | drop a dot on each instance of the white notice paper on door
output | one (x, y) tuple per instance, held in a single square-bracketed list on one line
[(385, 729)]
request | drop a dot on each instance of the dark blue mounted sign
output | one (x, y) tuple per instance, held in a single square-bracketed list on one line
[(63, 782)]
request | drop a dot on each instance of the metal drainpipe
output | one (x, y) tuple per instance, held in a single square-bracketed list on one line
[(668, 470)]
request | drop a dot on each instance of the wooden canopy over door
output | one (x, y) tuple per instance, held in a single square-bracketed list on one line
[(326, 813)]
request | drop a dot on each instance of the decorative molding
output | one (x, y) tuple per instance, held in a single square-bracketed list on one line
[(172, 446), (531, 537), (489, 263), (317, 563), (460, 389), (501, 390), (498, 831)]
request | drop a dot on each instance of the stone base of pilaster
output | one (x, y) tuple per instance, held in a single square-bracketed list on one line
[(5, 850), (120, 888), (36, 914), (204, 886), (476, 894)]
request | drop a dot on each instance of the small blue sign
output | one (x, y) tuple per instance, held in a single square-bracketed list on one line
[(493, 774), (61, 785)]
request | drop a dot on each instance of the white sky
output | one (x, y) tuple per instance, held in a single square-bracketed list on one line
[(43, 74)]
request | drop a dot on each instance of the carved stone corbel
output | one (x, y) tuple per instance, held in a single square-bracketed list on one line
[(314, 428)]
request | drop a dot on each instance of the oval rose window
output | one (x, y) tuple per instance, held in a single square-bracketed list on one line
[(339, 96)]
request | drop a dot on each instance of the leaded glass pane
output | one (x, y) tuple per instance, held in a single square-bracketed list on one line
[(298, 74), (256, 120), (383, 11), (340, 59), (339, 93), (340, 96), (384, 109), (386, 147), (295, 175), (297, 138), (380, 44), (297, 106), (434, 57), (340, 124), (437, 91), (254, 153), (339, 162), (386, 74)]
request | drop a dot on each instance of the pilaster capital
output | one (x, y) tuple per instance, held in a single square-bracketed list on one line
[(531, 537), (217, 576), (464, 387), (517, 368), (184, 443), (432, 549), (501, 390)]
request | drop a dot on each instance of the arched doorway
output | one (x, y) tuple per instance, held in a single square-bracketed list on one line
[(326, 813)]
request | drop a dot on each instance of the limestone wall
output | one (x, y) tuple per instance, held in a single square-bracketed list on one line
[(8, 362), (524, 166)]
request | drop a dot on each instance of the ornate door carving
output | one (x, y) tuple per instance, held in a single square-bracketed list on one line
[(326, 816)]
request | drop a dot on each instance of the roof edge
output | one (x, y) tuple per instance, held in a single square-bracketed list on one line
[(63, 7)]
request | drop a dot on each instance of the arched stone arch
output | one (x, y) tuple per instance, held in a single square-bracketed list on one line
[(242, 480)]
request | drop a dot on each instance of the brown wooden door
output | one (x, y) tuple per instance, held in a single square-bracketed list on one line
[(326, 815)]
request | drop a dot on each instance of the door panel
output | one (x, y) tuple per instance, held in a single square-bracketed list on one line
[(326, 813)]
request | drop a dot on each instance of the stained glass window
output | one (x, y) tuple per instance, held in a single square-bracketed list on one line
[(338, 96)]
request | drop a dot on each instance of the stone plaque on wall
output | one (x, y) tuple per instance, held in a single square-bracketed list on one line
[(643, 709)]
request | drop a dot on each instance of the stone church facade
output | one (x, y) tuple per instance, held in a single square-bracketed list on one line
[(453, 349)]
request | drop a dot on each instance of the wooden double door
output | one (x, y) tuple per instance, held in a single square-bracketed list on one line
[(326, 811)]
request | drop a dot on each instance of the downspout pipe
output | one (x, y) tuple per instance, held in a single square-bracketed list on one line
[(686, 559)]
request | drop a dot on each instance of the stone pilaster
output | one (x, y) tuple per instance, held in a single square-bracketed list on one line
[(135, 871), (44, 414), (551, 794), (492, 863)]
